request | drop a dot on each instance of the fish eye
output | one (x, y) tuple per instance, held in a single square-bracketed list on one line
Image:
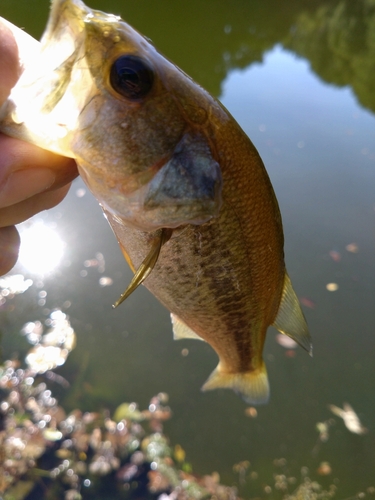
[(131, 77)]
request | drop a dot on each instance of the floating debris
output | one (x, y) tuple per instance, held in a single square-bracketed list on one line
[(285, 341), (324, 469), (179, 453), (332, 287), (251, 412), (289, 353), (80, 193), (305, 301), (352, 247), (350, 418), (335, 256)]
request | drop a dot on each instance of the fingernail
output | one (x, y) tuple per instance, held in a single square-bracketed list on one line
[(23, 184)]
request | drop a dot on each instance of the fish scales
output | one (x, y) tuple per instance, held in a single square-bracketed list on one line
[(230, 307), (182, 186)]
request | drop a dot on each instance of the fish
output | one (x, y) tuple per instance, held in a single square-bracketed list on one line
[(182, 186), (350, 418)]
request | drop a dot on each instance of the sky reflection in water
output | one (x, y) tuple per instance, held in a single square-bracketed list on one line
[(318, 146)]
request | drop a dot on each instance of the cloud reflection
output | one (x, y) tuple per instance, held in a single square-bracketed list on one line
[(41, 248)]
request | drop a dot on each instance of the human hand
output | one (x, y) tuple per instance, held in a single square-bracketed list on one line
[(31, 179)]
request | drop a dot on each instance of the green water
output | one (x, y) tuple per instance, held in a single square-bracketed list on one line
[(299, 78)]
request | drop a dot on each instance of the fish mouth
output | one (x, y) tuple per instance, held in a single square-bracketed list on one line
[(44, 106), (64, 14), (72, 15)]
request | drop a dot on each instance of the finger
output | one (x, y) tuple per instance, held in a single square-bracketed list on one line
[(9, 248), (26, 170), (25, 209)]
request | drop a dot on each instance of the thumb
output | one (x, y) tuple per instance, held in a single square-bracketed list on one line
[(9, 61), (16, 49)]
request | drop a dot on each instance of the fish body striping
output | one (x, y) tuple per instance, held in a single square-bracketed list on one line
[(181, 184)]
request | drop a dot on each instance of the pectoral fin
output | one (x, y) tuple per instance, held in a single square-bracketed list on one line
[(290, 320), (147, 265), (127, 257), (252, 386), (181, 330)]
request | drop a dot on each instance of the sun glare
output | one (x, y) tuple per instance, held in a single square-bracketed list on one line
[(41, 248)]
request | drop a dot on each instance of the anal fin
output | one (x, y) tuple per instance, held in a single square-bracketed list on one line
[(181, 330), (252, 386), (290, 319)]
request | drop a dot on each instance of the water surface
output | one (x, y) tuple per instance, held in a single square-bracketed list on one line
[(299, 80)]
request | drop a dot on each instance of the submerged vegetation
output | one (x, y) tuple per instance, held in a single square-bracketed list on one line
[(46, 453)]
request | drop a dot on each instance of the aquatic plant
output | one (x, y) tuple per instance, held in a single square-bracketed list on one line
[(45, 453)]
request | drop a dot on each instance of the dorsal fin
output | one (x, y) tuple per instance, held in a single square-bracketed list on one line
[(290, 319), (181, 330)]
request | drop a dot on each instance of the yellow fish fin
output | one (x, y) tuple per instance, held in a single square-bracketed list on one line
[(290, 319), (181, 330), (147, 265), (252, 386), (127, 258)]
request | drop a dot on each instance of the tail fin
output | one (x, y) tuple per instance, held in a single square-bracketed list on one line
[(252, 386)]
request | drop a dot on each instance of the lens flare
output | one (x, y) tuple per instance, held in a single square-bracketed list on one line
[(41, 248)]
